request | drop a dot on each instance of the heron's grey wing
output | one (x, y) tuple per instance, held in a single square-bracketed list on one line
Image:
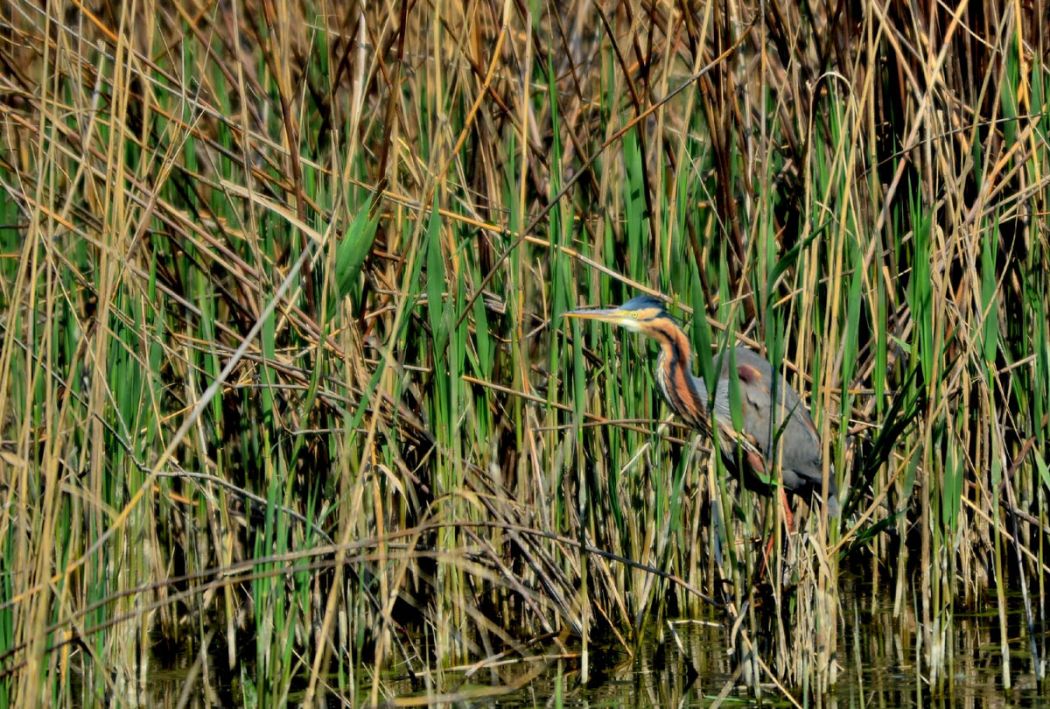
[(753, 376), (799, 448), (701, 388)]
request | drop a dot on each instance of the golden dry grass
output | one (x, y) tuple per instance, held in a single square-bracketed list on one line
[(284, 383)]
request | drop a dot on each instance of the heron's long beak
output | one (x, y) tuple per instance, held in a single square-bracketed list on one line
[(615, 316)]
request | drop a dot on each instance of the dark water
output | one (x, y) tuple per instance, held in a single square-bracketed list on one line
[(881, 663), (880, 657)]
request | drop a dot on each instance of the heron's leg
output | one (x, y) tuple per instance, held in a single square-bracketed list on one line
[(789, 517), (766, 552)]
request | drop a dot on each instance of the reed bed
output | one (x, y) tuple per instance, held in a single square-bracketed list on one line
[(286, 390)]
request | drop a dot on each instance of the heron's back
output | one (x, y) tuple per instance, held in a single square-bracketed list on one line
[(788, 437)]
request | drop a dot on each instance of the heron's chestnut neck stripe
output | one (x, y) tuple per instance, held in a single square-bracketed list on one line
[(673, 371)]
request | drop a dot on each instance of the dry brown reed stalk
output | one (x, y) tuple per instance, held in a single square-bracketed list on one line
[(858, 189)]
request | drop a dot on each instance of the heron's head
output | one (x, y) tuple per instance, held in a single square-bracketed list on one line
[(642, 314)]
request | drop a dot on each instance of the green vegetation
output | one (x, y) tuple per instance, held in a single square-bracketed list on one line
[(284, 386)]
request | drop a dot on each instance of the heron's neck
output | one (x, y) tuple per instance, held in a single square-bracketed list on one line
[(682, 392)]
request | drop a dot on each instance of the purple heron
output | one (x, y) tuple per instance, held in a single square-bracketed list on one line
[(791, 439)]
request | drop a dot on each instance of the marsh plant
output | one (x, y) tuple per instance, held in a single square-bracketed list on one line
[(285, 391)]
